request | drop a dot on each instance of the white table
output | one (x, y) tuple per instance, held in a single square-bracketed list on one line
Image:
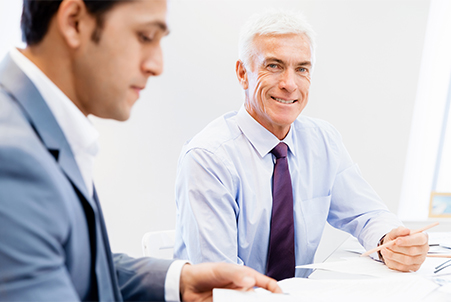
[(343, 252)]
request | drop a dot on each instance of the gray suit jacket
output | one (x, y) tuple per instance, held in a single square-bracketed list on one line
[(53, 240)]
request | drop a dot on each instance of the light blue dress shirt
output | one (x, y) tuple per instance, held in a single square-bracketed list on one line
[(224, 192)]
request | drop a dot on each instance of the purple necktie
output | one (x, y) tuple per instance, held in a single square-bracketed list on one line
[(281, 258)]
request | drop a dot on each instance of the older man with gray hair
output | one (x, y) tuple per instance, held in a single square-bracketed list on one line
[(256, 187)]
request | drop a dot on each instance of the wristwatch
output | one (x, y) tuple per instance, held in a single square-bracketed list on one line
[(381, 258)]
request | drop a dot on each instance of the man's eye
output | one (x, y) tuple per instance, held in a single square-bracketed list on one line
[(302, 69), (272, 66), (145, 38)]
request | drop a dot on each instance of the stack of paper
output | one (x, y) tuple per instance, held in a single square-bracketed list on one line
[(440, 238), (230, 295), (397, 288), (357, 266), (370, 267)]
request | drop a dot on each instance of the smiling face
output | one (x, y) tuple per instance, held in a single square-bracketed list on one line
[(277, 81), (110, 73)]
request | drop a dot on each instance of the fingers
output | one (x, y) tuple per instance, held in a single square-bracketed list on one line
[(395, 233), (408, 252), (197, 281), (246, 278), (412, 245), (411, 251), (402, 262), (267, 283)]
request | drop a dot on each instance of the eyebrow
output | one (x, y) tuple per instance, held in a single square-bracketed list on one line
[(305, 63), (274, 59), (160, 25)]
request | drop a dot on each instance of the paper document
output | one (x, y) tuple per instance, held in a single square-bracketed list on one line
[(230, 295), (355, 265), (370, 267), (440, 238), (410, 288)]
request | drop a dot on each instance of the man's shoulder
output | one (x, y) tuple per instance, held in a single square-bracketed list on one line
[(26, 166), (218, 132), (21, 149), (315, 125), (15, 130)]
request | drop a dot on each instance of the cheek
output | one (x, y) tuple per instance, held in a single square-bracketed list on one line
[(304, 84), (263, 85)]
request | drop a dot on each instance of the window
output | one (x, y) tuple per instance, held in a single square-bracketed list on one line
[(428, 163)]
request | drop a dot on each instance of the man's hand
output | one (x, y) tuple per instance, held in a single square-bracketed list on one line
[(198, 281), (408, 251)]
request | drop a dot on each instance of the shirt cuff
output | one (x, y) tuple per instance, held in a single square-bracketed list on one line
[(172, 281)]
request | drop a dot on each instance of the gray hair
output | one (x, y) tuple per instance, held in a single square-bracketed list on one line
[(273, 22)]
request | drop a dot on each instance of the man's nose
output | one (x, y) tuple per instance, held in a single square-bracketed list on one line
[(288, 81), (153, 63)]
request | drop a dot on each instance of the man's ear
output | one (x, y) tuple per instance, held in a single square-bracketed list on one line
[(74, 23), (241, 74)]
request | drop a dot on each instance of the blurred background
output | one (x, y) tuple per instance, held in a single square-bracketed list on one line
[(365, 82)]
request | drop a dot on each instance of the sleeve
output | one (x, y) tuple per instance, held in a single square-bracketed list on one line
[(172, 283), (355, 206), (32, 260), (141, 279), (207, 210)]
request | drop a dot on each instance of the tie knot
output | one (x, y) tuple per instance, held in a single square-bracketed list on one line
[(280, 150)]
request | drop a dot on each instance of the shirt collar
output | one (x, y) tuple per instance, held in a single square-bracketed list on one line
[(262, 140), (79, 131)]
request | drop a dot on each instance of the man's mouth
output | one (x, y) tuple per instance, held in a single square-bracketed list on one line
[(284, 101), (137, 89)]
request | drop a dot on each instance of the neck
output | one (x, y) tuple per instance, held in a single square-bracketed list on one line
[(54, 64), (280, 131)]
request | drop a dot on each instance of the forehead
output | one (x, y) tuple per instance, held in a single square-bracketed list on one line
[(285, 47), (138, 12)]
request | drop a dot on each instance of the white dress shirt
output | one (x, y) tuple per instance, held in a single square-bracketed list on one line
[(83, 140), (224, 192)]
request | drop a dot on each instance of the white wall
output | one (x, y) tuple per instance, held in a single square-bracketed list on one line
[(10, 34), (365, 80)]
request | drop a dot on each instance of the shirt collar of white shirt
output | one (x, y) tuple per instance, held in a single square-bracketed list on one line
[(78, 130), (262, 140), (83, 140)]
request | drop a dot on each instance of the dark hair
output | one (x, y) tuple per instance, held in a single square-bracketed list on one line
[(36, 16)]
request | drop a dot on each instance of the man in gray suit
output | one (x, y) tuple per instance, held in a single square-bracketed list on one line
[(83, 57)]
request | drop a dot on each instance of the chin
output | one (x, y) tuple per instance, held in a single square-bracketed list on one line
[(123, 110), (124, 115), (286, 119), (120, 114), (122, 118)]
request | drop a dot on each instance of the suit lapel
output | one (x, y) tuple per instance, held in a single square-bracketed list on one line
[(104, 265), (19, 86), (15, 82)]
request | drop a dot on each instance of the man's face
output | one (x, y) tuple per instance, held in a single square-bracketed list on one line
[(277, 82), (109, 74)]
